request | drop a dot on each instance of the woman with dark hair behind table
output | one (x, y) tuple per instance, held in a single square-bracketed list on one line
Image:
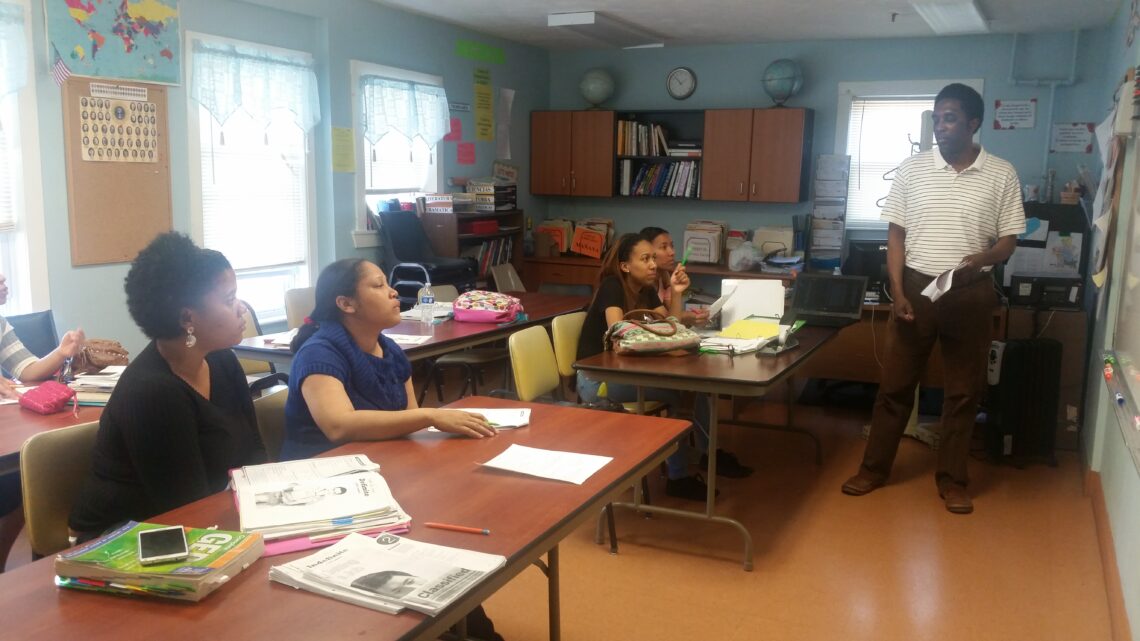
[(627, 282), (665, 255), (181, 415), (349, 382)]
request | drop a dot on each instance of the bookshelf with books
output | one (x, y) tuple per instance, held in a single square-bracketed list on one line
[(659, 154), (488, 238)]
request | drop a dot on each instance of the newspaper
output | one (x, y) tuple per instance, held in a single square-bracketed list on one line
[(314, 496), (389, 573)]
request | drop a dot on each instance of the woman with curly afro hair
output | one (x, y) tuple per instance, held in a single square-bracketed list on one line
[(181, 415)]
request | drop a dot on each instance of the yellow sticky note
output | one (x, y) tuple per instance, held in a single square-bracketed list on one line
[(1100, 277), (751, 328), (343, 150)]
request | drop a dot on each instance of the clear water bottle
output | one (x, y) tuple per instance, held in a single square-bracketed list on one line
[(427, 304)]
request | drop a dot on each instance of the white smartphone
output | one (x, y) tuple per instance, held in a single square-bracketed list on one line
[(163, 545)]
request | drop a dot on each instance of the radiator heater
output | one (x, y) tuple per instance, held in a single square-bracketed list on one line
[(1024, 386)]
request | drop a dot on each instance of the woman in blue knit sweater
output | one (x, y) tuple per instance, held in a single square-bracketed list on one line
[(348, 381)]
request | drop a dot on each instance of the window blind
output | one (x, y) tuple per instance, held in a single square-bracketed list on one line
[(881, 133)]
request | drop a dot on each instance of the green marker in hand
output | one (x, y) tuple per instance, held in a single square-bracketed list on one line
[(688, 250)]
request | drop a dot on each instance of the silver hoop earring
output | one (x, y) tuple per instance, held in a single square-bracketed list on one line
[(191, 339)]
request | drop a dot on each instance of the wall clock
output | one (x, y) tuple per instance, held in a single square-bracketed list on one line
[(681, 83)]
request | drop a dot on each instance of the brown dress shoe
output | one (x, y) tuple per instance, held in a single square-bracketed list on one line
[(861, 484), (957, 499)]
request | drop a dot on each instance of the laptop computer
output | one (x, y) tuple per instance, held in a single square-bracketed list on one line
[(826, 300)]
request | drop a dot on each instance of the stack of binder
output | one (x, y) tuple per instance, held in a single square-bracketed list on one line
[(829, 213)]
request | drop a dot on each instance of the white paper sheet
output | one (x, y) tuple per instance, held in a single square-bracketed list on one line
[(409, 339), (549, 464)]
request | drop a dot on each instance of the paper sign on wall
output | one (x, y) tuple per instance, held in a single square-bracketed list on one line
[(484, 106), (1015, 114), (1073, 137), (465, 153), (456, 132)]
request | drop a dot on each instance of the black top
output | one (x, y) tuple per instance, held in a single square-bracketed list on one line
[(609, 294), (162, 445)]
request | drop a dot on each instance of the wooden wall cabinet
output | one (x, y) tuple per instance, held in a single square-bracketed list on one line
[(572, 153), (757, 155)]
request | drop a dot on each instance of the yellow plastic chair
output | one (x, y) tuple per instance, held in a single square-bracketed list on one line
[(270, 410), (53, 467), (299, 303), (506, 278), (533, 364), (567, 330)]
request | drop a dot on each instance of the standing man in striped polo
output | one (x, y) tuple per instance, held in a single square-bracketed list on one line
[(954, 207)]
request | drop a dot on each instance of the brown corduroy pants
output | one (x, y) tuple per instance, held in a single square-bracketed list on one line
[(961, 320)]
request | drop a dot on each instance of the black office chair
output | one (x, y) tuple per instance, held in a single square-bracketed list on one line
[(403, 240), (36, 331)]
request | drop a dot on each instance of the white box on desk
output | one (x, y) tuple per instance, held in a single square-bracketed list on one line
[(705, 246)]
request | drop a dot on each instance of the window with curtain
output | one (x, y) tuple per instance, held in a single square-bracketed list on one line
[(253, 108), (402, 117), (17, 140), (879, 124)]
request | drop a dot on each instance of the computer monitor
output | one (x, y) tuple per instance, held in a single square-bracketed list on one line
[(868, 258)]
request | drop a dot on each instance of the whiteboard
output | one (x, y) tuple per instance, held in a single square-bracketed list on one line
[(1126, 341)]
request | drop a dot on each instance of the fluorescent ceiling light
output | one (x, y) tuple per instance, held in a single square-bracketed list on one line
[(951, 17), (604, 29)]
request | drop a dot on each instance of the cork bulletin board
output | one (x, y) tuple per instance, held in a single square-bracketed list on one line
[(118, 168)]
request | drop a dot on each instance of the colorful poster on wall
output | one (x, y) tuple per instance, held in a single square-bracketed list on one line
[(1015, 114), (456, 133), (465, 153), (1073, 137), (484, 106), (131, 40)]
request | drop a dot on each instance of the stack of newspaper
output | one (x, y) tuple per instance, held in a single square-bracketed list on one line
[(297, 505), (111, 564), (389, 573)]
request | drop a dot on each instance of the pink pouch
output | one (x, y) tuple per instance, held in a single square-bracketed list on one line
[(477, 306), (48, 397)]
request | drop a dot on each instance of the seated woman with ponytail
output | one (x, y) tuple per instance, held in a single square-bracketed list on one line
[(348, 381)]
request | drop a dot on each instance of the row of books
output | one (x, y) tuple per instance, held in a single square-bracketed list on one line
[(675, 180), (489, 253), (648, 139)]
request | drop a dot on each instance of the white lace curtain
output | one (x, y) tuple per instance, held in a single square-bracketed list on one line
[(230, 76), (412, 108), (13, 49)]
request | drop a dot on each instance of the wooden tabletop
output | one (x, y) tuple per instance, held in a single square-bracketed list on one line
[(434, 476), (447, 336), (744, 375), (18, 425)]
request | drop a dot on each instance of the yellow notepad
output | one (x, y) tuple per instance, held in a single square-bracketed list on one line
[(752, 328)]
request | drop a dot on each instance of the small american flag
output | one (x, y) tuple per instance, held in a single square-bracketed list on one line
[(59, 70)]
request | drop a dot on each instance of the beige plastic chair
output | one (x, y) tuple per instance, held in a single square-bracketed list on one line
[(53, 467), (260, 375), (506, 278), (270, 410), (567, 330), (299, 303), (471, 361)]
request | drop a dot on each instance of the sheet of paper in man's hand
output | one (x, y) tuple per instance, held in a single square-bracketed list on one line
[(944, 282)]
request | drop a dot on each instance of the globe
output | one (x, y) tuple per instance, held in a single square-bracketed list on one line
[(597, 85), (782, 80)]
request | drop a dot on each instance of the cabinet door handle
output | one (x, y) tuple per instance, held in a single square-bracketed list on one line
[(573, 183), (753, 189), (740, 189), (564, 181)]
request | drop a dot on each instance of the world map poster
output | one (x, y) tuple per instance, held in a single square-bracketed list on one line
[(126, 39)]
